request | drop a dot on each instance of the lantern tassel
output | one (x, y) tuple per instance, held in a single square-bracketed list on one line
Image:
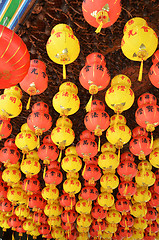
[(84, 170), (60, 155), (64, 71), (125, 190), (151, 140), (141, 71), (28, 103), (99, 27), (38, 145), (119, 154), (1, 127), (89, 104), (26, 185), (99, 144), (13, 236), (44, 172)]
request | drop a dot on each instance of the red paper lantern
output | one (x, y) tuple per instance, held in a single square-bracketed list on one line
[(97, 105), (127, 169), (14, 222), (148, 237), (155, 57), (153, 228), (122, 205), (99, 225), (5, 128), (101, 13), (127, 189), (71, 235), (39, 218), (156, 185), (36, 202), (139, 131), (92, 173), (48, 152), (146, 98), (67, 201), (6, 205), (89, 193), (140, 146), (69, 216), (151, 214), (87, 134), (14, 58), (125, 233), (3, 189), (53, 176), (154, 74), (86, 148), (93, 233), (68, 227), (31, 185), (127, 221), (44, 229), (98, 212), (20, 230), (36, 80), (127, 156), (40, 106), (154, 201), (54, 164), (9, 155)]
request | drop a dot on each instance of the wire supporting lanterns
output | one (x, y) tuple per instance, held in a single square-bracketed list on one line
[(14, 58), (36, 80), (139, 41), (101, 13), (66, 101), (62, 46), (10, 103), (120, 96)]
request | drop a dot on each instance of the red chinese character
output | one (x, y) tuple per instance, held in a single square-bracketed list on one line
[(122, 88), (146, 29), (130, 92), (13, 99), (130, 33), (122, 128), (28, 135), (58, 34), (131, 22), (66, 94), (71, 36), (111, 90)]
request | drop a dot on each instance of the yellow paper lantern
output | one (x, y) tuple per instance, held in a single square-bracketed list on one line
[(139, 41), (71, 151), (113, 216), (22, 211), (84, 220), (11, 175), (26, 140), (62, 136), (82, 236), (111, 228), (138, 210), (50, 194), (144, 165), (62, 46), (35, 233), (10, 103), (53, 210), (57, 233), (54, 221), (107, 235), (32, 154), (108, 147), (71, 163), (72, 186), (105, 200), (137, 234), (145, 178), (4, 224), (82, 229), (30, 167), (108, 161), (64, 121), (119, 96), (83, 206), (153, 158), (142, 195), (29, 226), (140, 223), (109, 181), (15, 195), (66, 102)]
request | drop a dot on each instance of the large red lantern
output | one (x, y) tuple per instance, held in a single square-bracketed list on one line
[(127, 156), (39, 218), (154, 201), (3, 189), (152, 228), (125, 233), (122, 205), (6, 205), (127, 189), (67, 201), (154, 74), (127, 221), (53, 176), (36, 80), (31, 185), (99, 225), (151, 214), (14, 58), (127, 169), (44, 229), (69, 216), (155, 57), (91, 173), (14, 222), (67, 226), (36, 202), (89, 193), (98, 212), (101, 13), (9, 154)]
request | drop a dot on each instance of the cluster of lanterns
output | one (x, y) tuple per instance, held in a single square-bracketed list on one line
[(89, 173)]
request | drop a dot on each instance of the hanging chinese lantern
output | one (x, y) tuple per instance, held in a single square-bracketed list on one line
[(127, 233), (118, 133), (83, 207), (153, 74), (120, 96), (109, 181), (142, 195), (127, 169), (67, 201), (94, 76), (31, 185), (4, 224), (153, 157), (36, 202), (140, 145), (39, 121), (11, 175), (20, 230), (36, 80), (5, 128), (35, 233), (53, 177), (14, 222), (101, 14), (15, 58), (98, 212), (111, 228), (122, 205), (113, 216), (89, 193), (154, 201), (155, 57), (10, 103), (97, 121), (151, 215), (30, 167), (57, 232), (84, 220), (50, 194), (6, 205), (72, 186), (28, 226), (3, 189), (91, 173), (127, 189), (87, 147), (9, 155), (108, 160), (26, 140), (136, 41), (53, 210), (140, 223), (105, 200), (69, 216), (48, 151), (54, 221), (22, 212), (62, 46), (15, 195), (62, 136), (127, 221), (138, 210), (145, 177), (44, 229), (66, 101)]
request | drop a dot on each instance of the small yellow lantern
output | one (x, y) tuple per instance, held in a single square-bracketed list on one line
[(139, 41), (82, 236), (54, 221), (28, 226), (57, 233), (30, 167), (111, 228), (4, 224), (66, 102), (71, 163), (15, 195), (105, 200), (83, 206), (109, 181), (22, 211), (137, 234), (142, 195), (10, 103), (62, 46), (120, 96), (50, 194), (138, 210), (11, 175), (140, 223), (35, 233), (84, 220), (53, 210), (72, 186), (145, 178), (113, 216)]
